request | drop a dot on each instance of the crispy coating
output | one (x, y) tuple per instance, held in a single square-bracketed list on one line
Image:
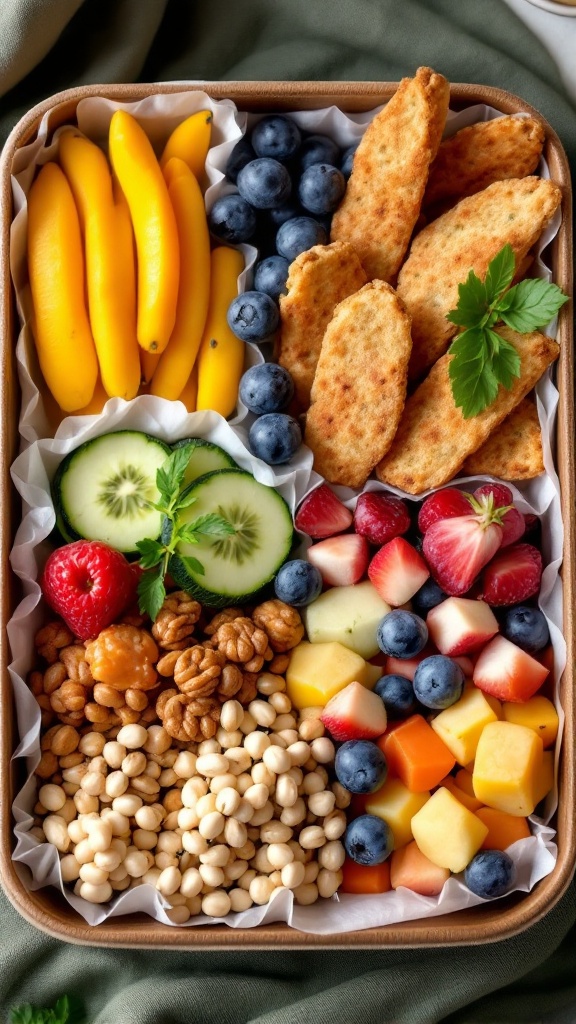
[(465, 238), (434, 439), (359, 389), (389, 173), (514, 451), (477, 156), (318, 280)]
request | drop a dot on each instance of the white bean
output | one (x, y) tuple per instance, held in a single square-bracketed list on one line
[(191, 883), (56, 832), (231, 715), (244, 812), (218, 856), (275, 831), (114, 753), (194, 843), (260, 773), (208, 747), (92, 744), (187, 818), (280, 702), (256, 743), (262, 712), (321, 804), (322, 750), (127, 804), (235, 833), (261, 889), (149, 818), (279, 854), (164, 860), (212, 875), (192, 790), (53, 797), (119, 823), (334, 825), (96, 893), (299, 752), (268, 683), (185, 764), (239, 760), (257, 795), (108, 860), (170, 842), (206, 804), (216, 904), (311, 870), (294, 815), (263, 814), (134, 763), (286, 791), (228, 800), (99, 834), (239, 900), (292, 874), (92, 873), (136, 863), (144, 839), (277, 759), (332, 856), (169, 881), (312, 837), (133, 736), (211, 825), (328, 882), (247, 724), (306, 894), (70, 868)]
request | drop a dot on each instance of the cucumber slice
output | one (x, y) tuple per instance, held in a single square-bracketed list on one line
[(238, 566), (205, 458), (102, 488)]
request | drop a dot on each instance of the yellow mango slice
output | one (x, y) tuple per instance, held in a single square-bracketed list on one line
[(460, 726), (538, 714), (447, 832), (545, 780), (396, 805), (318, 671), (508, 767)]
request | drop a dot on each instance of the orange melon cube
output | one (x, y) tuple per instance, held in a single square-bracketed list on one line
[(471, 802), (503, 829), (416, 754), (463, 779), (359, 878), (412, 869)]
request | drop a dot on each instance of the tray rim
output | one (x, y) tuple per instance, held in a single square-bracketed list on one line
[(44, 908)]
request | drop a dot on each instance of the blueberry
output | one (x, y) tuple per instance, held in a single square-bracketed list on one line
[(402, 634), (299, 234), (298, 583), (270, 276), (428, 597), (318, 149), (275, 438), (266, 388), (253, 316), (241, 155), (347, 158), (281, 214), (490, 873), (232, 219), (264, 183), (438, 682), (397, 693), (368, 840), (321, 188), (526, 627), (276, 136), (360, 766)]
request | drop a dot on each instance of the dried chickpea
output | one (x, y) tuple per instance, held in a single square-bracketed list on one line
[(312, 837), (192, 790), (187, 818), (226, 781), (134, 763), (306, 894), (255, 743), (99, 834), (194, 843), (136, 862), (92, 873), (96, 893), (229, 739), (211, 824), (172, 801), (310, 729), (239, 760), (70, 868), (185, 764), (227, 801), (158, 741), (71, 760), (212, 875), (179, 914), (108, 860), (171, 821), (261, 774), (164, 860), (92, 744), (292, 874), (263, 814), (208, 747), (243, 782), (311, 871), (235, 833), (86, 802), (294, 815), (328, 882), (169, 881), (47, 765), (321, 804), (286, 791), (231, 715), (260, 889), (216, 904), (268, 683), (218, 856), (322, 750), (127, 804), (133, 736), (334, 825), (280, 702), (65, 740), (52, 797), (239, 900), (235, 869), (279, 854), (145, 786), (143, 839), (169, 842)]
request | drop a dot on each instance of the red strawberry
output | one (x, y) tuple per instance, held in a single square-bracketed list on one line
[(508, 673), (513, 522), (397, 571), (502, 495), (341, 560), (355, 713), (445, 504), (380, 517), (457, 549), (513, 575), (89, 584), (322, 514)]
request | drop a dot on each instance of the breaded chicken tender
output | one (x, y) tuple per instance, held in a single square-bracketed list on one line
[(514, 450), (477, 156), (434, 439), (359, 388), (389, 174), (467, 237), (318, 280)]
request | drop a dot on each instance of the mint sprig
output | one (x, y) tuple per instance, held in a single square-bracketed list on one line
[(62, 1013), (156, 554), (482, 359)]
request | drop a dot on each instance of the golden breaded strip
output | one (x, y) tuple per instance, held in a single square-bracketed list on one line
[(359, 389), (467, 237), (318, 280), (475, 157), (389, 174), (434, 439), (514, 451)]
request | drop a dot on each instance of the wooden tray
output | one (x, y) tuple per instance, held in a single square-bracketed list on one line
[(46, 908)]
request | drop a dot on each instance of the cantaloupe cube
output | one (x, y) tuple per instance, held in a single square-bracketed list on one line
[(507, 768), (463, 779), (365, 878), (412, 869), (460, 726), (471, 802), (503, 829), (416, 754), (396, 805), (545, 780), (447, 832), (318, 671), (349, 615), (538, 713)]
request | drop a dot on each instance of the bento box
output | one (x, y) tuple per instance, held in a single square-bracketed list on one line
[(44, 906)]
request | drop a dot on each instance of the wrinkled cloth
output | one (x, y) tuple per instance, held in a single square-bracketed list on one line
[(49, 45)]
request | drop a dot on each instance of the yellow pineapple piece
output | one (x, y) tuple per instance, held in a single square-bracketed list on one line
[(396, 805), (447, 832), (318, 671), (460, 726), (508, 768), (538, 714)]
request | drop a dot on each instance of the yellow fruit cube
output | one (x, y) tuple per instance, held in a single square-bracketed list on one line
[(447, 832), (349, 615), (460, 726), (508, 768), (538, 713), (396, 805), (317, 672), (545, 780)]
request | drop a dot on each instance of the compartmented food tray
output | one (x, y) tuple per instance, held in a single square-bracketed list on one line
[(492, 921)]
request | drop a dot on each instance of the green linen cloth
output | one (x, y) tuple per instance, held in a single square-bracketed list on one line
[(48, 45)]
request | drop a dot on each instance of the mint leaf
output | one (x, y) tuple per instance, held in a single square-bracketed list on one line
[(472, 303), (186, 535), (505, 359), (62, 1010), (500, 273), (212, 525), (24, 1014), (192, 564), (171, 474), (474, 385), (185, 500), (531, 304), (151, 551), (151, 591)]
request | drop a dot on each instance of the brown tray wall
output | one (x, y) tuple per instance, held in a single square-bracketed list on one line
[(46, 908)]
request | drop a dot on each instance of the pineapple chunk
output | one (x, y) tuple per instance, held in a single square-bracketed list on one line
[(349, 615), (460, 726), (447, 832), (317, 672), (508, 768), (396, 805), (538, 713)]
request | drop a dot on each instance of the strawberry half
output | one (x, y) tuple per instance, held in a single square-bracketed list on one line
[(355, 713), (513, 522), (397, 571), (341, 560), (380, 517), (458, 549), (445, 504), (322, 514), (513, 575)]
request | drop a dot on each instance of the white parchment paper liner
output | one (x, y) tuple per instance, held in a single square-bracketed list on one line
[(35, 467)]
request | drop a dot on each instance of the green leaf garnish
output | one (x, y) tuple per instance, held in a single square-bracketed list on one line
[(482, 359), (27, 1014), (151, 591)]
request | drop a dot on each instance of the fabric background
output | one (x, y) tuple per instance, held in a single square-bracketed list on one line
[(48, 45)]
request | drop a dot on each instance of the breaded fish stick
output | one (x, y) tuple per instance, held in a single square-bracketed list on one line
[(514, 450)]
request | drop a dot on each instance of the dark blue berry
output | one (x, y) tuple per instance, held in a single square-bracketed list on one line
[(232, 219), (266, 387), (368, 840), (281, 214), (397, 694), (402, 634), (298, 583), (298, 235), (276, 136), (490, 873), (270, 276), (428, 597), (241, 155), (321, 188), (438, 682), (264, 183), (253, 316), (275, 438), (318, 149), (526, 627), (360, 766), (347, 159)]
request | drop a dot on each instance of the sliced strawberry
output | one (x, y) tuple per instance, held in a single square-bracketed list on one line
[(322, 514), (445, 504), (508, 673), (341, 560), (397, 571), (513, 522), (459, 625), (355, 713), (457, 549), (406, 666), (513, 575), (380, 517)]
